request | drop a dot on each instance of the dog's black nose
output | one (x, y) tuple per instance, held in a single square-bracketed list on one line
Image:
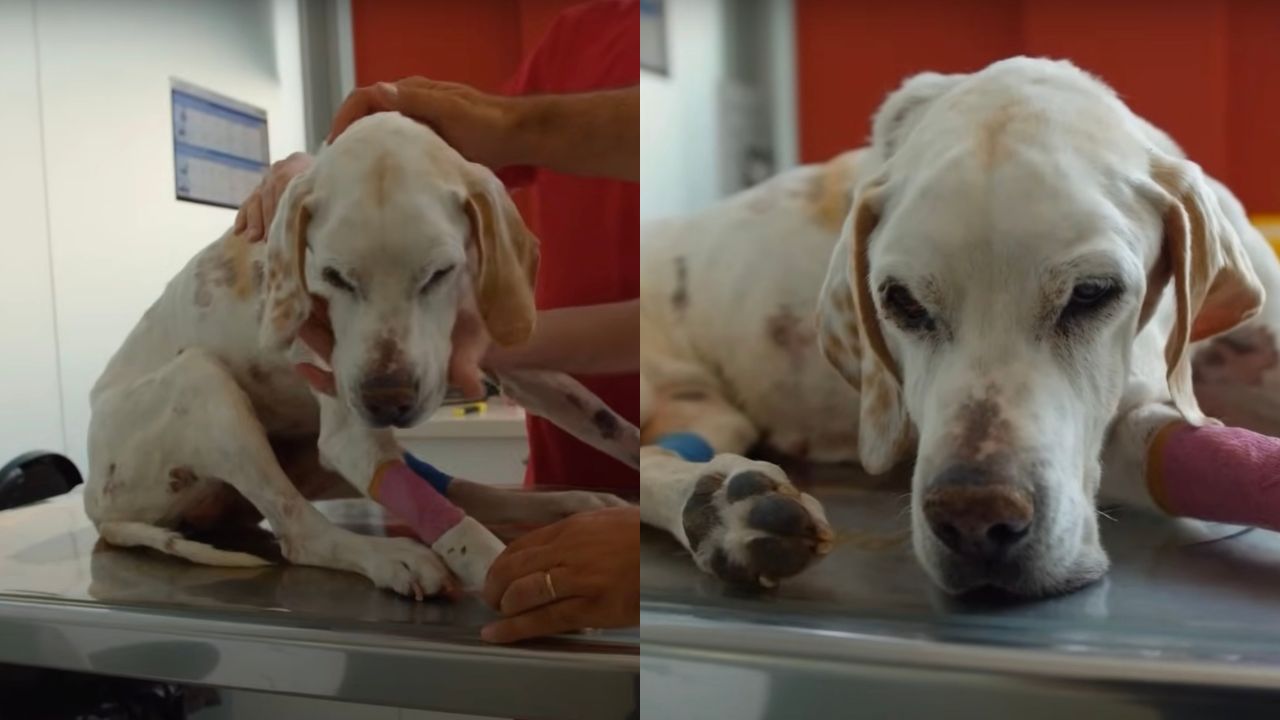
[(976, 517), (390, 399)]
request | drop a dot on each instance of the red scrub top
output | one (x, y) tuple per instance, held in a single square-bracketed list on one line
[(588, 227)]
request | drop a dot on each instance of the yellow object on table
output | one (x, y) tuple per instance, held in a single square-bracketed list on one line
[(1269, 226), (476, 408)]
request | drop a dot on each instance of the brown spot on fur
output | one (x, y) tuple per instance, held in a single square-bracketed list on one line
[(182, 478), (575, 401), (843, 301), (384, 175), (606, 424), (238, 274), (387, 357), (222, 265), (993, 134), (111, 470), (258, 375), (204, 295), (788, 333), (1241, 358), (984, 431), (1212, 357), (680, 295), (879, 395), (830, 194), (170, 543)]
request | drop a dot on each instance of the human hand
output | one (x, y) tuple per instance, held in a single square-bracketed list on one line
[(257, 210), (480, 126), (592, 560)]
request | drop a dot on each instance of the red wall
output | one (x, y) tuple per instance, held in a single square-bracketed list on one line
[(477, 42), (1206, 71)]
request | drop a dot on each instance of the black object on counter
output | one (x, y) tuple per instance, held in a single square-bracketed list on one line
[(35, 476)]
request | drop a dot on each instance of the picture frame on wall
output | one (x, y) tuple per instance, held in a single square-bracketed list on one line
[(653, 36)]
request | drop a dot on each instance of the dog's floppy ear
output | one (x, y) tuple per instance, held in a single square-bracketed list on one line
[(287, 303), (1214, 285), (852, 341), (506, 255), (902, 110)]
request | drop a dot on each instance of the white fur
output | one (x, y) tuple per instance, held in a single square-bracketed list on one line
[(984, 186), (186, 413)]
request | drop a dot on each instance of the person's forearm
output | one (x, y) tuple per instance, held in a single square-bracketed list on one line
[(595, 134), (587, 340)]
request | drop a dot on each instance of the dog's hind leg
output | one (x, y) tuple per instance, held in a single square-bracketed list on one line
[(163, 446), (742, 520), (136, 534)]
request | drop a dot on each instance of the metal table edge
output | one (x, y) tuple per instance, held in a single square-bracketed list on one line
[(672, 633), (532, 682)]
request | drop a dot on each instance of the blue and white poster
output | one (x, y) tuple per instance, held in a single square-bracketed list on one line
[(220, 148)]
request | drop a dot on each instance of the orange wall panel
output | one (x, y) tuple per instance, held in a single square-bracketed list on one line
[(851, 54), (1253, 103), (1204, 70), (477, 43), (1166, 58)]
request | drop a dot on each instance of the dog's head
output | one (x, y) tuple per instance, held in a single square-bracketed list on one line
[(1019, 230), (397, 232)]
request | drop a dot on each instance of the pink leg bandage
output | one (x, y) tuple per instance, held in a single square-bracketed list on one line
[(466, 546), (1221, 474), (413, 500)]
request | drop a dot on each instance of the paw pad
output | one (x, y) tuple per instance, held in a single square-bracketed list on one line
[(750, 528)]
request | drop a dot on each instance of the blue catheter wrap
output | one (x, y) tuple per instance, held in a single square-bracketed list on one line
[(430, 473), (687, 445)]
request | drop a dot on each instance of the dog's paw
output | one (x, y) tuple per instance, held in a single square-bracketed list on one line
[(750, 525), (403, 565)]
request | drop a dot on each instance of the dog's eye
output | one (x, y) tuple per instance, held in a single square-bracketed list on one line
[(334, 278), (435, 278), (1088, 296), (908, 311)]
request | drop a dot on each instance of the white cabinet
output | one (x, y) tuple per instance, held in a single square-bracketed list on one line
[(490, 447)]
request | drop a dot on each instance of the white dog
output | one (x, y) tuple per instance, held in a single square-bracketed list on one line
[(191, 417), (1015, 278)]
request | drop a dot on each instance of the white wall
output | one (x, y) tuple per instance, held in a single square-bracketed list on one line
[(115, 232), (679, 130), (30, 400)]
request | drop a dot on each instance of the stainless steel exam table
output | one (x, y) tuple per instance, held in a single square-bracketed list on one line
[(68, 601), (1186, 625)]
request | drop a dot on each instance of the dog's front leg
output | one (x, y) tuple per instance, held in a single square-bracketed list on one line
[(1155, 461), (372, 461), (742, 520)]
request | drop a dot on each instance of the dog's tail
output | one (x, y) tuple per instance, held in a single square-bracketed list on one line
[(136, 534)]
